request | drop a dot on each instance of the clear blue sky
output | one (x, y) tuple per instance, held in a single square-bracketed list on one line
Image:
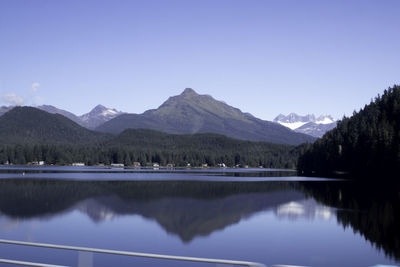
[(264, 57)]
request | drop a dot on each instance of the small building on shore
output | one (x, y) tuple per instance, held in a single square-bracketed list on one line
[(117, 165), (136, 164)]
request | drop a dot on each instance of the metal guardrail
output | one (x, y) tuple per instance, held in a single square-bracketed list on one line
[(28, 263), (118, 252)]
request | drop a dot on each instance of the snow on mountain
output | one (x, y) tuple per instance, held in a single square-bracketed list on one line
[(307, 124), (324, 119), (90, 120), (98, 115), (293, 125), (316, 129)]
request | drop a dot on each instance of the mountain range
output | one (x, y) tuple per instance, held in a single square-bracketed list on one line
[(308, 124), (190, 113), (187, 113)]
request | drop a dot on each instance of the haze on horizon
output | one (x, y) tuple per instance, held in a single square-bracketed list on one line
[(264, 57)]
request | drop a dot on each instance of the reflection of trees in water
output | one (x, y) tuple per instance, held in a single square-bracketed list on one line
[(185, 208), (371, 210)]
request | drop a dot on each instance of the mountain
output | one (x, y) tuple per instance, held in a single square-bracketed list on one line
[(22, 125), (315, 129), (190, 113), (294, 121), (364, 145), (307, 124), (54, 110), (97, 116)]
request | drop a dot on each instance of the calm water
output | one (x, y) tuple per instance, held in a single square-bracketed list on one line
[(267, 216)]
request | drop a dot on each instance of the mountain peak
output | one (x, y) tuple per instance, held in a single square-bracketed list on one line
[(189, 91), (98, 115), (99, 108)]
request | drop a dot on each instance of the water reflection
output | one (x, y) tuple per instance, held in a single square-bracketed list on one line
[(187, 209), (373, 210), (192, 209)]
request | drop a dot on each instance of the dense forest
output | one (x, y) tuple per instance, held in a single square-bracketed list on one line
[(148, 147), (364, 145)]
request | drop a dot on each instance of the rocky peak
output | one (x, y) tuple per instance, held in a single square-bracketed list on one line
[(189, 91)]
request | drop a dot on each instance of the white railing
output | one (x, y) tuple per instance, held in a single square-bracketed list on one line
[(117, 252)]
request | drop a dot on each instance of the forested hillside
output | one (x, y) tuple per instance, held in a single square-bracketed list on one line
[(133, 145), (28, 125), (364, 145)]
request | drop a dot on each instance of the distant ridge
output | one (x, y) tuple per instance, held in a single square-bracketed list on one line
[(97, 116), (54, 110), (190, 113)]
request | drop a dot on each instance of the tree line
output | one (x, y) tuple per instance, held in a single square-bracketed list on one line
[(154, 147)]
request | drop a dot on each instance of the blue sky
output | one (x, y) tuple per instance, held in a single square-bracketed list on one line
[(264, 57)]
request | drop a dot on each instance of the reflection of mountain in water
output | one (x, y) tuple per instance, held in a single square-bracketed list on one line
[(187, 209), (189, 217), (96, 211), (371, 210), (308, 208)]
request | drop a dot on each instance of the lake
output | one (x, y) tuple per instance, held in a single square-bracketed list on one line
[(260, 215)]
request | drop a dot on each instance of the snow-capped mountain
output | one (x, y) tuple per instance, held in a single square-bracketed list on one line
[(98, 115), (308, 124), (315, 129)]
